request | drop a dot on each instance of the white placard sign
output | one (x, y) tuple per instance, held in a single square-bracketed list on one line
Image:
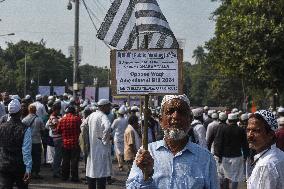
[(147, 71)]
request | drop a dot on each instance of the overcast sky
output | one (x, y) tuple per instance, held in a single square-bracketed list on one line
[(33, 20)]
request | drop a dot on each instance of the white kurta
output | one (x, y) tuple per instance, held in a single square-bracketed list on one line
[(268, 172), (118, 126), (199, 133), (99, 159)]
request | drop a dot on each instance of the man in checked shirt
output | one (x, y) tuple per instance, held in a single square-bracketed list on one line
[(69, 128)]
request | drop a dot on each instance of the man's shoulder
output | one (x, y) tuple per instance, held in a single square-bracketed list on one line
[(199, 150), (274, 158)]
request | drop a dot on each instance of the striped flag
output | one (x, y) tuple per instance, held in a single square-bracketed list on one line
[(127, 21)]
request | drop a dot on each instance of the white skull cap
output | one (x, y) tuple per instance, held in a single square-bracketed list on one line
[(103, 102), (233, 116), (14, 106), (197, 112), (280, 121), (223, 116), (121, 110), (38, 97), (280, 109), (168, 98), (244, 117), (215, 115)]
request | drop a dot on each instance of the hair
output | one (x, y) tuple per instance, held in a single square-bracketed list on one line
[(32, 109), (56, 106), (71, 109), (132, 120)]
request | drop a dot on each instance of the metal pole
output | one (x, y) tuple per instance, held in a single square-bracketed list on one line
[(76, 48), (25, 85)]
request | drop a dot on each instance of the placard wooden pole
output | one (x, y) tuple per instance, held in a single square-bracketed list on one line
[(146, 116)]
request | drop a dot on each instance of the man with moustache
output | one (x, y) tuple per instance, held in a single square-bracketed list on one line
[(268, 164), (174, 162)]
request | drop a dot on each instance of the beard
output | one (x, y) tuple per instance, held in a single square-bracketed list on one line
[(174, 134)]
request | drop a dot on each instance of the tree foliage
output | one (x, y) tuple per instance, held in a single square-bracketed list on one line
[(43, 64), (249, 42)]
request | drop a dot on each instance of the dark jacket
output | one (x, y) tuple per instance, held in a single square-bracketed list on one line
[(11, 141), (231, 141)]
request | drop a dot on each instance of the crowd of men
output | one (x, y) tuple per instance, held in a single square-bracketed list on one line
[(188, 147)]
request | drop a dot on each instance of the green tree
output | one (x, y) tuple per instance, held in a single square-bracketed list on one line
[(249, 42)]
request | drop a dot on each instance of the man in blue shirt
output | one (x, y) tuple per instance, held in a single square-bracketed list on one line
[(174, 162), (15, 149)]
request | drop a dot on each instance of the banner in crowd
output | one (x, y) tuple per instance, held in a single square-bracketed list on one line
[(44, 90), (59, 90), (103, 93), (90, 93)]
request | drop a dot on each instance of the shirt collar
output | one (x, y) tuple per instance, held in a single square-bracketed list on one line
[(188, 147), (264, 151)]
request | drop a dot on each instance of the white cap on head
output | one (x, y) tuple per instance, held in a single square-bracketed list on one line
[(65, 94), (234, 110), (38, 97), (50, 98), (121, 110), (103, 102), (28, 97), (197, 112), (14, 106), (206, 108), (223, 116), (15, 97), (244, 117), (210, 112), (280, 109), (233, 116), (280, 121), (134, 108), (214, 116)]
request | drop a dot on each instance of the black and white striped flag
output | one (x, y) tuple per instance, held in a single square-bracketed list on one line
[(127, 20)]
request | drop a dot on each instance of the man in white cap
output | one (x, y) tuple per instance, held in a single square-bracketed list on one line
[(280, 134), (40, 109), (198, 129), (205, 112), (268, 163), (15, 149), (233, 152), (118, 126), (210, 129), (280, 111), (244, 121), (99, 163), (174, 162), (209, 119)]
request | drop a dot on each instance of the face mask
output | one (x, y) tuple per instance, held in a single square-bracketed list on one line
[(175, 134)]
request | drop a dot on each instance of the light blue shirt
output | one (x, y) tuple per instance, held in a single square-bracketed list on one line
[(192, 168), (27, 150)]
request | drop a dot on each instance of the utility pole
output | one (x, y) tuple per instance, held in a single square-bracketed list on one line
[(76, 49)]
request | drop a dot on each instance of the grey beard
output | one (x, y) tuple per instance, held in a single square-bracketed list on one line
[(174, 134)]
